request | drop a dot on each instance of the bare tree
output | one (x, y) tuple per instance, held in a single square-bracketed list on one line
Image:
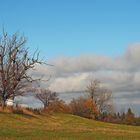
[(92, 89), (102, 97), (46, 96), (15, 63)]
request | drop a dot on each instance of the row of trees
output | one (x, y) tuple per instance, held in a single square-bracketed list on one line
[(85, 106), (121, 118), (97, 101)]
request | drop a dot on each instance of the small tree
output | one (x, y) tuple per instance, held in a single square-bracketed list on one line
[(130, 117), (59, 106), (123, 117), (92, 89), (100, 96), (15, 63), (46, 96), (83, 107)]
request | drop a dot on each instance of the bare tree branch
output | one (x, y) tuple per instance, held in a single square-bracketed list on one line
[(15, 63), (45, 96)]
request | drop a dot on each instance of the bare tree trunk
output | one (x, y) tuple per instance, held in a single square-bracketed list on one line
[(3, 100), (3, 103), (13, 102), (45, 105)]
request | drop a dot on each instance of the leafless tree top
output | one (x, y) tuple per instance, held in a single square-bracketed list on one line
[(45, 96)]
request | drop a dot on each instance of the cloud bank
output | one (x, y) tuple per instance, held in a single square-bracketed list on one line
[(120, 74)]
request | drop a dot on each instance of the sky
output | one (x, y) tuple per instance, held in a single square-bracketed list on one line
[(83, 39), (73, 27)]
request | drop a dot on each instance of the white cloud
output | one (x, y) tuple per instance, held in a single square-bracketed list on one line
[(75, 83)]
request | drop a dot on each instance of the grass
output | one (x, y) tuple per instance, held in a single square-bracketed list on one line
[(60, 126)]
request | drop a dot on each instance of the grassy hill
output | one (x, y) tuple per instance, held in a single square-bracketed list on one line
[(62, 127)]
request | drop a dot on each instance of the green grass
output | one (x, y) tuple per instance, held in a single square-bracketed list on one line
[(62, 127)]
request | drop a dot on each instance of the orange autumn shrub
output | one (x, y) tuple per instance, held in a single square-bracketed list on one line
[(84, 107), (58, 106)]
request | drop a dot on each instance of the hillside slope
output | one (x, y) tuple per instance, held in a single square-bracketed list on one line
[(62, 127)]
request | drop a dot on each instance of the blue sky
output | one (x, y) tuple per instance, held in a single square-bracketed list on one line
[(74, 27)]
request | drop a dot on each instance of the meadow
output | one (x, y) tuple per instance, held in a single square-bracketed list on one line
[(59, 126)]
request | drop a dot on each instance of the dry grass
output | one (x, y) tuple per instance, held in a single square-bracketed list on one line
[(61, 127)]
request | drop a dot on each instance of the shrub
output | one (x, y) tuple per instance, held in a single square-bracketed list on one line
[(58, 106), (83, 107)]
